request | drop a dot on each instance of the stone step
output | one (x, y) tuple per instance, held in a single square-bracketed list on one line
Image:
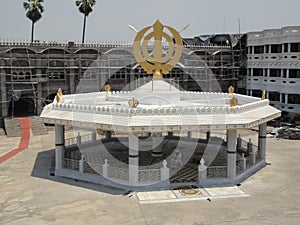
[(37, 126), (12, 127)]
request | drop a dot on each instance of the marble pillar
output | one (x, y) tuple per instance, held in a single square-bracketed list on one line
[(59, 146), (133, 159), (231, 154)]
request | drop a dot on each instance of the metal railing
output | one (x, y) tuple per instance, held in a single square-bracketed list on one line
[(216, 171), (71, 164), (118, 173), (149, 175)]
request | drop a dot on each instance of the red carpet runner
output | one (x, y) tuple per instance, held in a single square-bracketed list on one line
[(24, 142)]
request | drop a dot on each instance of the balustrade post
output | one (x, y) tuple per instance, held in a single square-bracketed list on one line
[(81, 164), (78, 139), (105, 169), (165, 172), (243, 162), (250, 150), (202, 171)]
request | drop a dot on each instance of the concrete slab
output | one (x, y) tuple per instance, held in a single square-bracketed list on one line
[(188, 194)]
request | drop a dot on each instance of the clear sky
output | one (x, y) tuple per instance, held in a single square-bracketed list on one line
[(62, 21)]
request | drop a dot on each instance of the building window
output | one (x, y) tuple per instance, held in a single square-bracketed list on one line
[(276, 48), (55, 75), (258, 49), (257, 93), (295, 47), (258, 72), (294, 99), (275, 72), (294, 73), (274, 96), (283, 98)]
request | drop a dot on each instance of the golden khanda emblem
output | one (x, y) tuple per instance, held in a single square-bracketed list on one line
[(158, 61), (233, 102), (133, 103), (107, 88)]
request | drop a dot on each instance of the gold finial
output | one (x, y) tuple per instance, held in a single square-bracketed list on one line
[(263, 97), (107, 88), (133, 103), (157, 62), (230, 90), (234, 101), (59, 95), (59, 91)]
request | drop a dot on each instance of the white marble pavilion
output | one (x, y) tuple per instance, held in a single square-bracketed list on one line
[(161, 108)]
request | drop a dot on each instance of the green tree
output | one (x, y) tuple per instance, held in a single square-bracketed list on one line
[(85, 7), (34, 10)]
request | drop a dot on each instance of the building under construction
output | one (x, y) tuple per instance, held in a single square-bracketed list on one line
[(31, 73)]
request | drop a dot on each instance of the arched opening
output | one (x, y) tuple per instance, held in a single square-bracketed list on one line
[(22, 105)]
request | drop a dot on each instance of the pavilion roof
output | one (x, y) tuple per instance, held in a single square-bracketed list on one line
[(162, 107)]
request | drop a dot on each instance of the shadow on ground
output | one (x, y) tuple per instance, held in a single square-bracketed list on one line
[(43, 169)]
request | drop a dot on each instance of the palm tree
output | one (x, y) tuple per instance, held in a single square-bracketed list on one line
[(85, 7), (34, 10)]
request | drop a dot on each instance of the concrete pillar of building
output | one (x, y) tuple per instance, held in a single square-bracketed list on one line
[(268, 72), (231, 154), (267, 94), (262, 141), (39, 106), (133, 159), (4, 102), (59, 146), (72, 76), (286, 100), (287, 73), (189, 134)]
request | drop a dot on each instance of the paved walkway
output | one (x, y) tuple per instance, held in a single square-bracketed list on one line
[(24, 141)]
